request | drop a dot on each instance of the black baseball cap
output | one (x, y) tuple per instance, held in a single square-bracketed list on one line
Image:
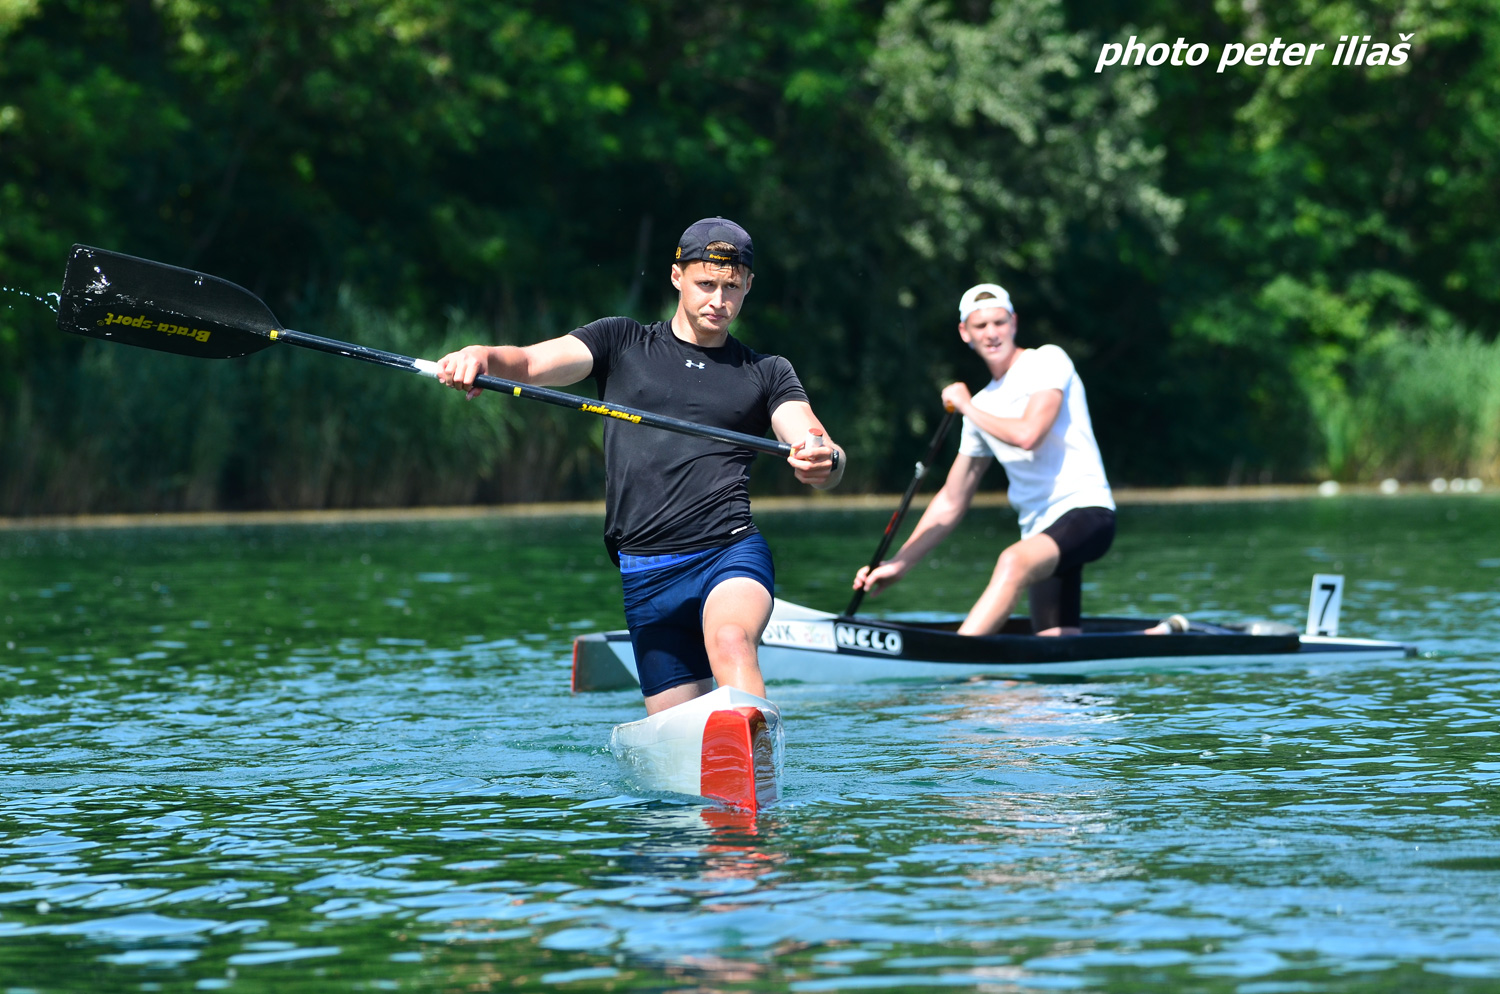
[(693, 245)]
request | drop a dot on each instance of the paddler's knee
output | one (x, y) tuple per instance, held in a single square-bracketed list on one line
[(1026, 562), (730, 641), (1013, 566)]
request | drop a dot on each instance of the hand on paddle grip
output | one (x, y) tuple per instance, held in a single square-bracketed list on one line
[(873, 581), (956, 397), (458, 369), (813, 459)]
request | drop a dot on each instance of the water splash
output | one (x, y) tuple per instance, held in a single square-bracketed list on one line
[(51, 304)]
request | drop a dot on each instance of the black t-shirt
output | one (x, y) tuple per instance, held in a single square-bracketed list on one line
[(671, 493)]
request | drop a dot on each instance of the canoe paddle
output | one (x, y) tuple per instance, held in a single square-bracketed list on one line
[(911, 489), (120, 298)]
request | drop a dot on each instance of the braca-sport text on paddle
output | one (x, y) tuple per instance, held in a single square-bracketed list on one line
[(121, 298)]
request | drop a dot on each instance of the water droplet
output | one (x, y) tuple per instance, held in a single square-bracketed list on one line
[(31, 296)]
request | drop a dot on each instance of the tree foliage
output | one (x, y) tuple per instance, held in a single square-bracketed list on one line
[(1003, 147), (1233, 259), (1332, 213)]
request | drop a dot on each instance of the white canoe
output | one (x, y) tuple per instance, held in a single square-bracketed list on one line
[(726, 746), (809, 646)]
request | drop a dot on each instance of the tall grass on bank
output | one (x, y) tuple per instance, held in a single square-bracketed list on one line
[(1423, 408), (106, 428), (91, 427)]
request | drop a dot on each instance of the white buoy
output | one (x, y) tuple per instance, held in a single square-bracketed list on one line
[(1439, 485), (1473, 484), (1328, 488), (1456, 485), (1389, 485)]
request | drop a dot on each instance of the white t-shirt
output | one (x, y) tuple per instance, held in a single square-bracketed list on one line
[(1064, 471)]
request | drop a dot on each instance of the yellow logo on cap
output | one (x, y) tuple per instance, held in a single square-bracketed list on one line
[(679, 251)]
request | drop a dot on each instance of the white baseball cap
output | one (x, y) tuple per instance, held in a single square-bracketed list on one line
[(968, 305)]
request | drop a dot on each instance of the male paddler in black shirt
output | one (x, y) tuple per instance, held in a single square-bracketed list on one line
[(697, 574)]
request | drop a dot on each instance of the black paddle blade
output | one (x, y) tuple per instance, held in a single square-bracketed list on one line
[(119, 298)]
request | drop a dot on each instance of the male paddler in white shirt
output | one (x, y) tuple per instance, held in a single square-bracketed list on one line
[(1034, 417)]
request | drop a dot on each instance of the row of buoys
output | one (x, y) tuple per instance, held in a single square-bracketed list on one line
[(1390, 485), (1457, 485)]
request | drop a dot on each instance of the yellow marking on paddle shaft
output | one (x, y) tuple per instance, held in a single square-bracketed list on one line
[(516, 392), (611, 412), (274, 333)]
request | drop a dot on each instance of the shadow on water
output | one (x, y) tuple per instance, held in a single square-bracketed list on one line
[(316, 758)]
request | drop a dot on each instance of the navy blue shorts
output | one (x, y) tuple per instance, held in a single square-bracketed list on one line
[(664, 598)]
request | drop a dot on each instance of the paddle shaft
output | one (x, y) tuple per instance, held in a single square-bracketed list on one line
[(911, 490), (530, 392)]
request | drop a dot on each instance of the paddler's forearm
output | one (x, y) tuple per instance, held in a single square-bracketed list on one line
[(940, 518), (1025, 432), (509, 362), (1011, 431)]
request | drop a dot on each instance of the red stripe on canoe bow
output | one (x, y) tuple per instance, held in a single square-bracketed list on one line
[(728, 770)]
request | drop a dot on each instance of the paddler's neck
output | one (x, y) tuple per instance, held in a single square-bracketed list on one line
[(1002, 363)]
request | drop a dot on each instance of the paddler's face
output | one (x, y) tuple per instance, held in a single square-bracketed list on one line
[(711, 295), (990, 331)]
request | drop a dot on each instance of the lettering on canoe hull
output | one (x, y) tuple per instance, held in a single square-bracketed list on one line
[(814, 635), (874, 639)]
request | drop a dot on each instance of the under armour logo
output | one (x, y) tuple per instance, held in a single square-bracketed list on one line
[(691, 363)]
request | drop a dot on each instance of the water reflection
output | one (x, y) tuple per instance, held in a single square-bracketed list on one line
[(264, 754)]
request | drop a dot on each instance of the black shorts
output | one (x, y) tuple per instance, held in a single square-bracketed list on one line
[(1083, 535)]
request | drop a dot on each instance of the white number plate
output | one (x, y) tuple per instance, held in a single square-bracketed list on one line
[(1323, 607)]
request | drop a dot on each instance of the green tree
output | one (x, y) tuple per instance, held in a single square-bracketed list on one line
[(1242, 264), (1018, 165), (1332, 213)]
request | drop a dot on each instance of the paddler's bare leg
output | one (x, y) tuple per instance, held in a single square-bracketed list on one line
[(734, 615), (680, 694), (1021, 565)]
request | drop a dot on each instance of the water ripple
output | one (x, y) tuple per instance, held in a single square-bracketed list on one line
[(201, 792)]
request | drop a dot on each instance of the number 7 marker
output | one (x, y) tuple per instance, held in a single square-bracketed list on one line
[(1323, 606)]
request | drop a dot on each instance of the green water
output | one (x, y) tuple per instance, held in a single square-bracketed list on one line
[(346, 758)]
